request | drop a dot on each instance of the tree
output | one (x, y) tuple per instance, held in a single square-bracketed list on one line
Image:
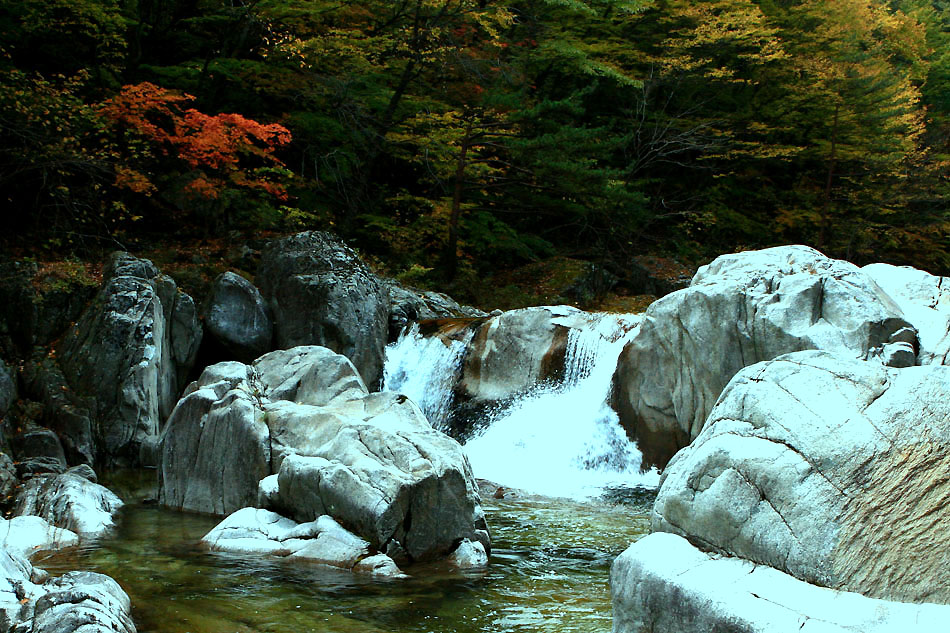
[(212, 154)]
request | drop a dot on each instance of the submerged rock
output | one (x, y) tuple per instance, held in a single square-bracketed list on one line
[(321, 293), (662, 584), (830, 469), (371, 461), (739, 310), (71, 501), (130, 353), (237, 317)]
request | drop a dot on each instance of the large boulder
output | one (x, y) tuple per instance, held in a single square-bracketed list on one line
[(830, 469), (130, 353), (237, 318), (662, 584), (70, 501), (925, 301), (739, 310), (516, 350), (371, 461), (321, 293)]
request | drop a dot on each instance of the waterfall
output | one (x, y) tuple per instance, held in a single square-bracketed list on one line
[(565, 440), (425, 368)]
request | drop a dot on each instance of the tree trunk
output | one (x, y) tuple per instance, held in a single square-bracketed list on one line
[(451, 247), (825, 229)]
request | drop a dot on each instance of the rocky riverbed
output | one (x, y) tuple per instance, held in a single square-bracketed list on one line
[(791, 410)]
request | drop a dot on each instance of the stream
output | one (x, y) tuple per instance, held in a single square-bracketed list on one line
[(548, 573)]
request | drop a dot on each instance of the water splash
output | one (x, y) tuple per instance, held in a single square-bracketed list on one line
[(426, 368), (565, 440)]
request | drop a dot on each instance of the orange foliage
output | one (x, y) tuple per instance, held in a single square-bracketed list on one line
[(219, 143)]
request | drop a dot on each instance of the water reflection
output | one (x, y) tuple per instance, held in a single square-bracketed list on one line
[(548, 573)]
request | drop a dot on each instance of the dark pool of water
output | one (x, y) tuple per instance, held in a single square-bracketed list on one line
[(548, 573)]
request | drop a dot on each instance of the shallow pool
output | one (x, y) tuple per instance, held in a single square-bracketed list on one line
[(548, 573)]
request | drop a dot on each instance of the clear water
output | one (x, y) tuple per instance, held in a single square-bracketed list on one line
[(548, 573)]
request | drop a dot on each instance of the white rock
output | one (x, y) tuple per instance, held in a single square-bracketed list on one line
[(323, 541), (70, 501), (26, 535), (739, 310), (925, 301), (662, 584), (372, 461), (834, 470)]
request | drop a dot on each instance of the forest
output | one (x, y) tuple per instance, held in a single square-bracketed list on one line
[(447, 139)]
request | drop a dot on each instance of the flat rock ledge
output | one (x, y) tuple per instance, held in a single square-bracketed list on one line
[(662, 584), (323, 541)]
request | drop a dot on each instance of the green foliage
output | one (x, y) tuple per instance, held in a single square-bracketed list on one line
[(450, 137)]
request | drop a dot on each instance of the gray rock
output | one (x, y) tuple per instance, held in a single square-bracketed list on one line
[(130, 352), (70, 501), (321, 293), (739, 310), (8, 477), (322, 541), (371, 461), (469, 555), (38, 442), (236, 316), (80, 602), (515, 350), (662, 584), (827, 468), (408, 305), (26, 468), (64, 411)]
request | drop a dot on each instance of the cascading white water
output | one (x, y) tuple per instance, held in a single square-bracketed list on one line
[(565, 440), (425, 368)]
